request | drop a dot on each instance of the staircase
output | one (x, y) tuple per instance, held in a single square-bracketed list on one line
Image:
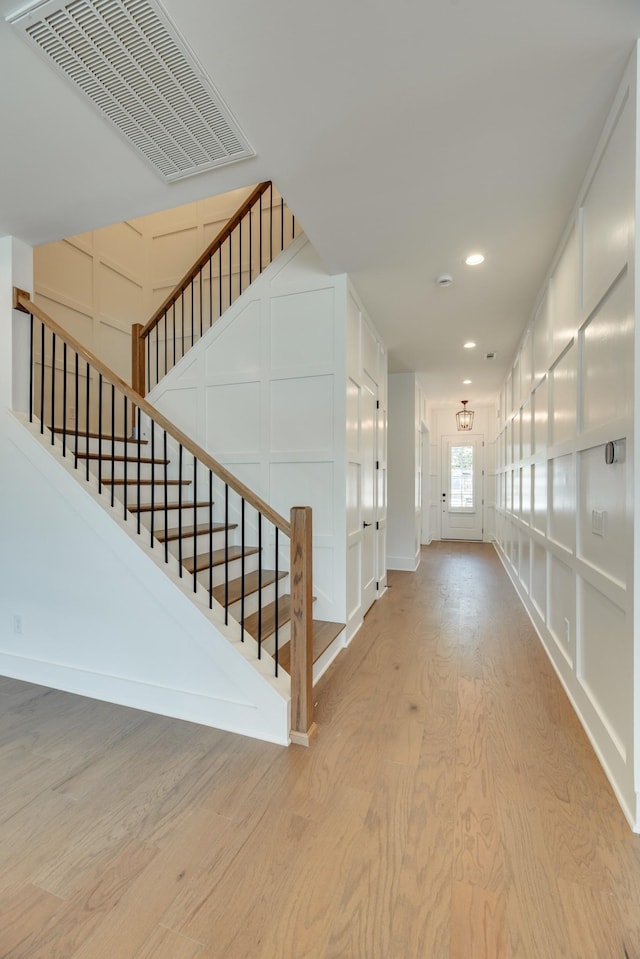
[(206, 550), (234, 553), (253, 566)]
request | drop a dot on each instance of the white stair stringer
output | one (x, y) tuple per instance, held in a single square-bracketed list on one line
[(115, 622)]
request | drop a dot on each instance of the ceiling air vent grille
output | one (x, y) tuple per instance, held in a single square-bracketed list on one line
[(129, 60)]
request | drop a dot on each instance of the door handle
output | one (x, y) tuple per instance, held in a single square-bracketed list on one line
[(364, 525)]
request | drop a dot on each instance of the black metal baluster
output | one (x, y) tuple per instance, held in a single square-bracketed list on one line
[(260, 237), (226, 554), (210, 292), (230, 235), (271, 223), (139, 465), (242, 538), (174, 332), (210, 514), (180, 509), (192, 312), (293, 227), (166, 490), (195, 524), (64, 399), (281, 223), (200, 298), (86, 424), (77, 412), (182, 314), (42, 377), (259, 585), (240, 256), (149, 360), (276, 619), (157, 332), (166, 337), (126, 453), (153, 478), (220, 277), (113, 441), (100, 433), (53, 388), (31, 367), (250, 248)]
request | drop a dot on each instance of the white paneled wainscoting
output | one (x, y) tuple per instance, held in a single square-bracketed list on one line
[(289, 392), (567, 516)]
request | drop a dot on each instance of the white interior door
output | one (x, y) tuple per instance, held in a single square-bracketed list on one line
[(462, 487), (368, 491), (425, 498), (381, 496)]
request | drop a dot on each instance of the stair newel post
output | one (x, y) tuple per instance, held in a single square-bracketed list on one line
[(303, 728), (137, 359)]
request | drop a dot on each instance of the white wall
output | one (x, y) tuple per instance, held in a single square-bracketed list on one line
[(442, 422), (263, 391), (405, 466), (85, 608), (565, 519), (96, 286)]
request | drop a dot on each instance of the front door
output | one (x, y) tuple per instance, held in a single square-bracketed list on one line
[(462, 487)]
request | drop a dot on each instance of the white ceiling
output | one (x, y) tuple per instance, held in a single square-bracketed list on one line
[(402, 135)]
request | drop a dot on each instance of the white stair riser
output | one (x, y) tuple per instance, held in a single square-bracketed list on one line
[(284, 635), (235, 571), (251, 601)]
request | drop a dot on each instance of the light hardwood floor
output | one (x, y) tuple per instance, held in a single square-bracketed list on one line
[(450, 808)]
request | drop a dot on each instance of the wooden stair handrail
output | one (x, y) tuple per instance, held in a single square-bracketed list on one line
[(224, 233), (23, 302)]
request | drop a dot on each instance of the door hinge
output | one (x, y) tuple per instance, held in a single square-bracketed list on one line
[(377, 404), (377, 464), (377, 525), (377, 585)]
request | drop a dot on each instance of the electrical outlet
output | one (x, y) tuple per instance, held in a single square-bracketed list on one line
[(598, 518), (17, 625)]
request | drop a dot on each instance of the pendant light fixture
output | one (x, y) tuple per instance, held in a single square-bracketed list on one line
[(464, 418)]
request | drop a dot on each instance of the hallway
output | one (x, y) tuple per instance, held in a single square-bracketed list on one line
[(451, 807)]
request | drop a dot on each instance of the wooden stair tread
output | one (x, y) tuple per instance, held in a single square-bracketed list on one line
[(269, 618), (324, 633), (148, 507), (203, 529), (108, 458), (251, 585), (217, 558), (106, 437), (108, 481)]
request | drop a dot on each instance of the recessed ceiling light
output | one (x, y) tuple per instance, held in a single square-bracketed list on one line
[(469, 345), (466, 382), (474, 259)]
